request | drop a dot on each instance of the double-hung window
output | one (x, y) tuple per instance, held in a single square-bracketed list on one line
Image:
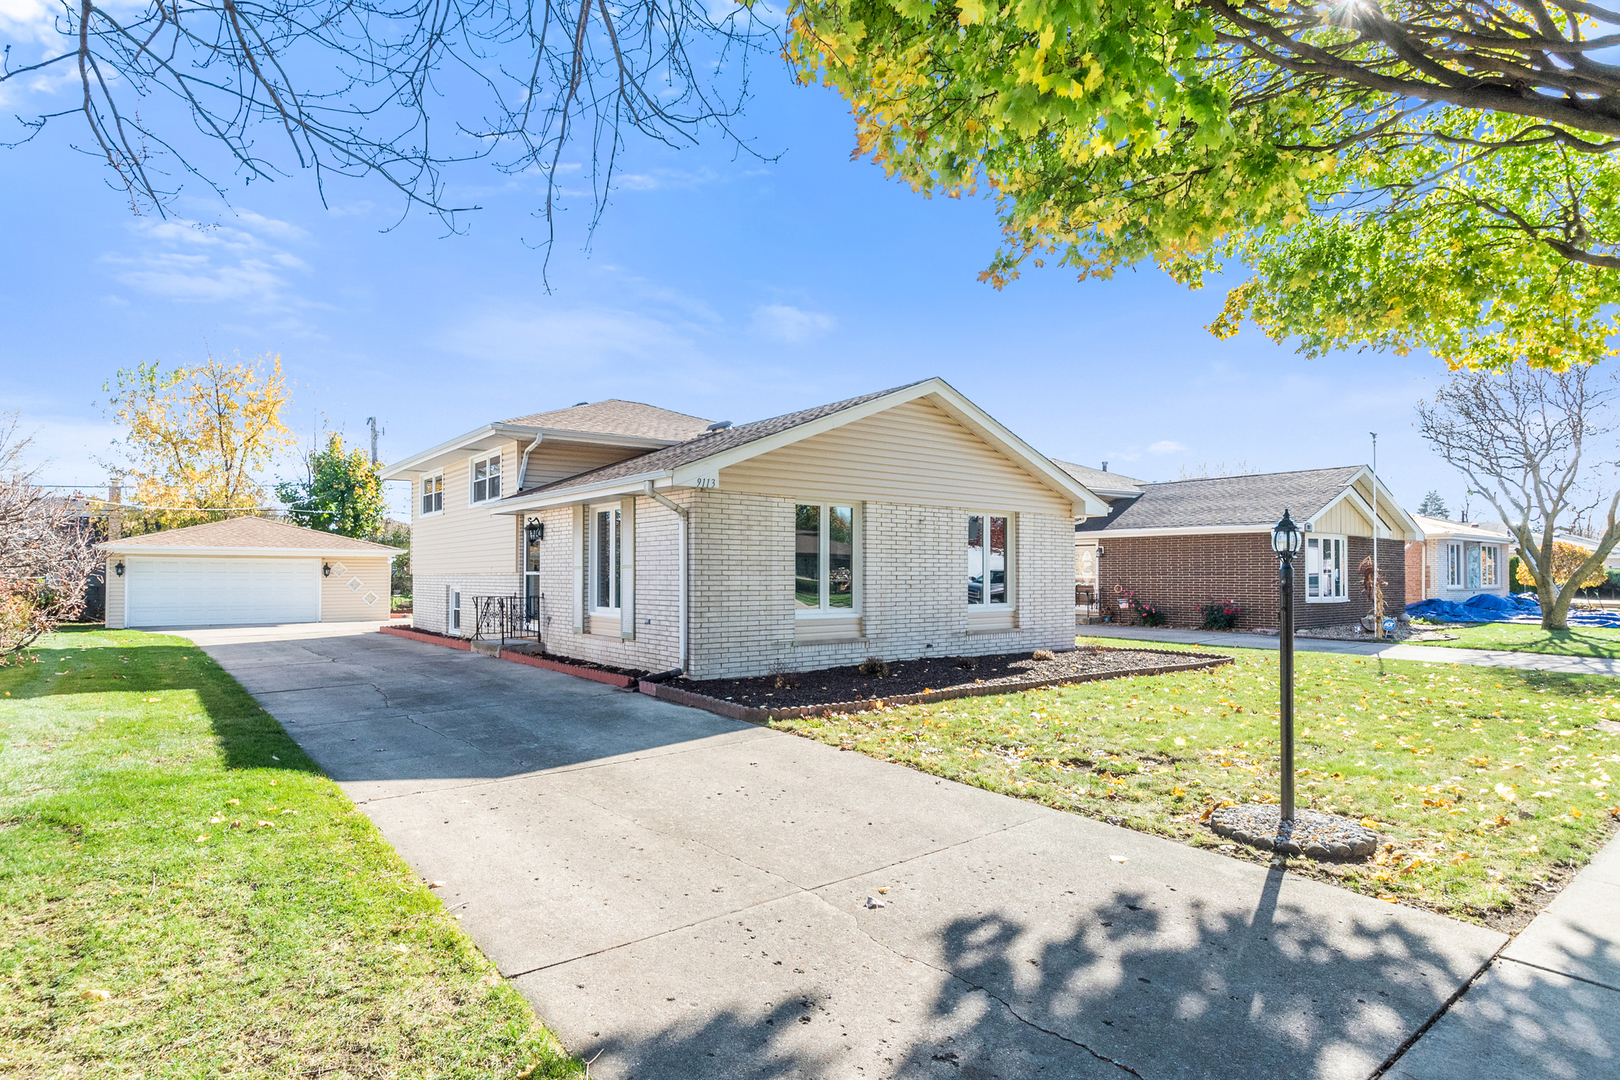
[(824, 558), (486, 479), (606, 554), (1454, 566), (1489, 565), (989, 561), (1324, 569), (432, 494)]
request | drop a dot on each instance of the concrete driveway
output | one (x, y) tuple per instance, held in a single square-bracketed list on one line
[(682, 896)]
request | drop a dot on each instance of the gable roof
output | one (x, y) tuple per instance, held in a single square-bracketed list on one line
[(1235, 503), (716, 449), (247, 534), (1101, 481), (708, 444), (616, 417)]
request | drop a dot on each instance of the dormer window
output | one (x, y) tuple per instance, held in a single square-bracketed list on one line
[(486, 479)]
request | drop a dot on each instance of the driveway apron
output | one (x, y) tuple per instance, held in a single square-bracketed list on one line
[(681, 895)]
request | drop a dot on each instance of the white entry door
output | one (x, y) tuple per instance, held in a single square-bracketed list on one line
[(221, 592)]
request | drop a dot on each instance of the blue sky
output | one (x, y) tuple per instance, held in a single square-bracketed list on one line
[(716, 285)]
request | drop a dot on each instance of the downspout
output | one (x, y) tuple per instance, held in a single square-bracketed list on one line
[(523, 466), (685, 584)]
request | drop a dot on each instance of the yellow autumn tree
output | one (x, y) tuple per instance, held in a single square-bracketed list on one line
[(1566, 559), (197, 438)]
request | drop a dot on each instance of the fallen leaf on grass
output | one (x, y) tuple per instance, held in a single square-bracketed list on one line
[(95, 995), (267, 824), (202, 838)]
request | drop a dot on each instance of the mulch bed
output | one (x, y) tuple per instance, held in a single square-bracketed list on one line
[(845, 689)]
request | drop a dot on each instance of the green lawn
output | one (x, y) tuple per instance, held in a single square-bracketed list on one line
[(1486, 783), (183, 894), (1518, 637)]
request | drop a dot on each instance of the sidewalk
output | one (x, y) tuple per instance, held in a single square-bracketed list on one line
[(1389, 650), (1548, 1006)]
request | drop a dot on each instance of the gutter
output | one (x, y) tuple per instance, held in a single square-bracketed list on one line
[(685, 575)]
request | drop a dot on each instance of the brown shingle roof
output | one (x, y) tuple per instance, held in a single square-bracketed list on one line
[(615, 417), (707, 444), (1229, 500), (1097, 479), (251, 532)]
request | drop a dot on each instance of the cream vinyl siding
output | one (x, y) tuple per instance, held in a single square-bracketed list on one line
[(464, 539), (913, 453), (1395, 530), (553, 461), (115, 595), (340, 603), (1345, 518)]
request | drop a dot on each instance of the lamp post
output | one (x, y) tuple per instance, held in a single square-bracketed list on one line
[(1286, 541)]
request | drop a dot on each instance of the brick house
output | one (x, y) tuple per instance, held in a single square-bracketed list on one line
[(898, 524), (1180, 545), (1455, 560)]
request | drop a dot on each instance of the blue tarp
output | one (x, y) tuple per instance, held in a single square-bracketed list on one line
[(1488, 607)]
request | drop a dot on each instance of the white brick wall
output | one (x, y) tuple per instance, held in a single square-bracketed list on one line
[(430, 598), (913, 589)]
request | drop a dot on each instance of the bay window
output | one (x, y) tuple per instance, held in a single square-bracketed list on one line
[(1454, 566), (824, 558), (1324, 569)]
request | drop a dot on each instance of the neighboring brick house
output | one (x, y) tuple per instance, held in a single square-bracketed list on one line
[(1117, 491), (1180, 545), (1457, 559), (899, 524)]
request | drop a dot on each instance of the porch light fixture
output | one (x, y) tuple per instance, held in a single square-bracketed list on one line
[(119, 568), (326, 569), (1101, 551), (1286, 541), (535, 530)]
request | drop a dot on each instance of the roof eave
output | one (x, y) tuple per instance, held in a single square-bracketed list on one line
[(118, 547), (581, 493)]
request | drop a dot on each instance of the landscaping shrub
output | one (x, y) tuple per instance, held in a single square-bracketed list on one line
[(1219, 615)]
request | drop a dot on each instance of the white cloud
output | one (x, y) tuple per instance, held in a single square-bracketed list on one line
[(1166, 446), (788, 323), (245, 262)]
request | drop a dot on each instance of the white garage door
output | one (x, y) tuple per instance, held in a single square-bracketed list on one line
[(218, 592)]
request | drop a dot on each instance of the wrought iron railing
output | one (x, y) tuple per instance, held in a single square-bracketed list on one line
[(504, 617)]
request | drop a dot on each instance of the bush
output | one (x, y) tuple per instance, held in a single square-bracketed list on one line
[(873, 668), (1219, 615), (1146, 613)]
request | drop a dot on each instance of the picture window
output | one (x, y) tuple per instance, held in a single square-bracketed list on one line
[(824, 537)]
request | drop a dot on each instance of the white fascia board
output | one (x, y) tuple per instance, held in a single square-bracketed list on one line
[(595, 438), (1385, 499), (407, 468), (619, 485), (1177, 530), (113, 547)]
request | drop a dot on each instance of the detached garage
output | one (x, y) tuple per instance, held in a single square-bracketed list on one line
[(243, 572)]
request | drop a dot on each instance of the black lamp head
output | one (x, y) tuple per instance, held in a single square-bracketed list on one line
[(1286, 537), (535, 530)]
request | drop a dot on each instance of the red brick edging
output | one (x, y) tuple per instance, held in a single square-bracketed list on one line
[(610, 677), (426, 639), (750, 714)]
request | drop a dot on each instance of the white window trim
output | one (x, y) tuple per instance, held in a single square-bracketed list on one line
[(472, 464), (1010, 604), (1491, 555), (591, 568), (419, 484), (1445, 566), (1344, 570), (824, 613)]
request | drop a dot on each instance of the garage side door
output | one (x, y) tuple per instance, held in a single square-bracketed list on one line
[(219, 592)]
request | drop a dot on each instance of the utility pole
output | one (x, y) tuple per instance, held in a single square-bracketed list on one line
[(115, 495), (1377, 609), (372, 420)]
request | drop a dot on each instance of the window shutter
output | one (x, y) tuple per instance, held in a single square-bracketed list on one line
[(581, 538), (627, 568)]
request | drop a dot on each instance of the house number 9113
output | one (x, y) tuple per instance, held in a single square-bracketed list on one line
[(706, 482)]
